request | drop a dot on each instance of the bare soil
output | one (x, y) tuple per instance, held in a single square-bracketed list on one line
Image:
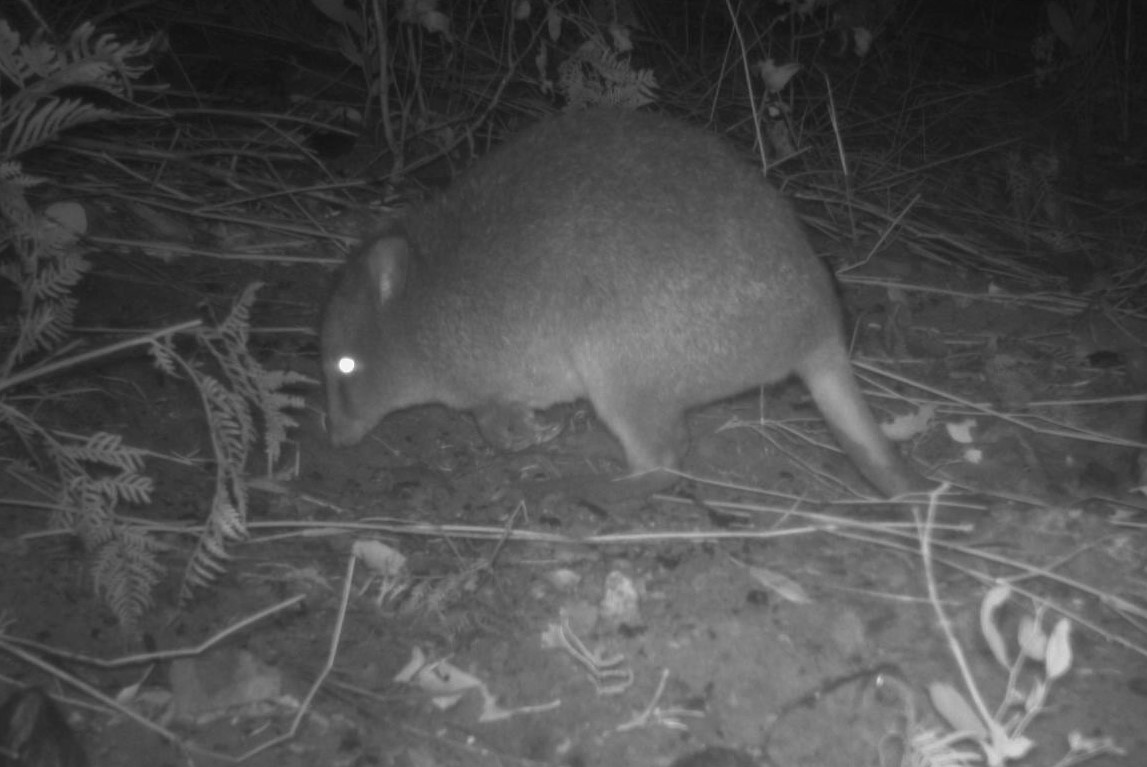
[(709, 655)]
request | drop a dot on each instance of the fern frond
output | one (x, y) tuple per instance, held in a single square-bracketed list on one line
[(229, 504), (125, 570), (58, 275), (105, 450), (206, 564), (45, 326), (109, 450), (208, 561), (24, 63), (106, 63), (274, 380), (232, 433), (164, 357), (32, 74), (42, 323), (123, 564), (595, 74), (229, 418), (132, 488), (86, 509), (44, 122), (257, 385), (238, 321), (230, 520), (277, 421), (48, 268)]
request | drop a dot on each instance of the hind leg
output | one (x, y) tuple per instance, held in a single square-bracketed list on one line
[(652, 432)]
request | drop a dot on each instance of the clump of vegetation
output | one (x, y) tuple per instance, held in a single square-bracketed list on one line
[(84, 480)]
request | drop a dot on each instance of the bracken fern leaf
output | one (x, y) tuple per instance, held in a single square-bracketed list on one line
[(108, 449), (259, 386), (125, 570)]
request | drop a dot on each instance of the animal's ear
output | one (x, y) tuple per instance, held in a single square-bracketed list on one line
[(387, 262)]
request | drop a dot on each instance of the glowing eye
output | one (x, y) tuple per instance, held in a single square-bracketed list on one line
[(346, 365)]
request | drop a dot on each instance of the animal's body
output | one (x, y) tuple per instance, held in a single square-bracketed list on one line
[(620, 257)]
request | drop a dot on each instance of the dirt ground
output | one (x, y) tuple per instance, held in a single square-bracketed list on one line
[(778, 619)]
